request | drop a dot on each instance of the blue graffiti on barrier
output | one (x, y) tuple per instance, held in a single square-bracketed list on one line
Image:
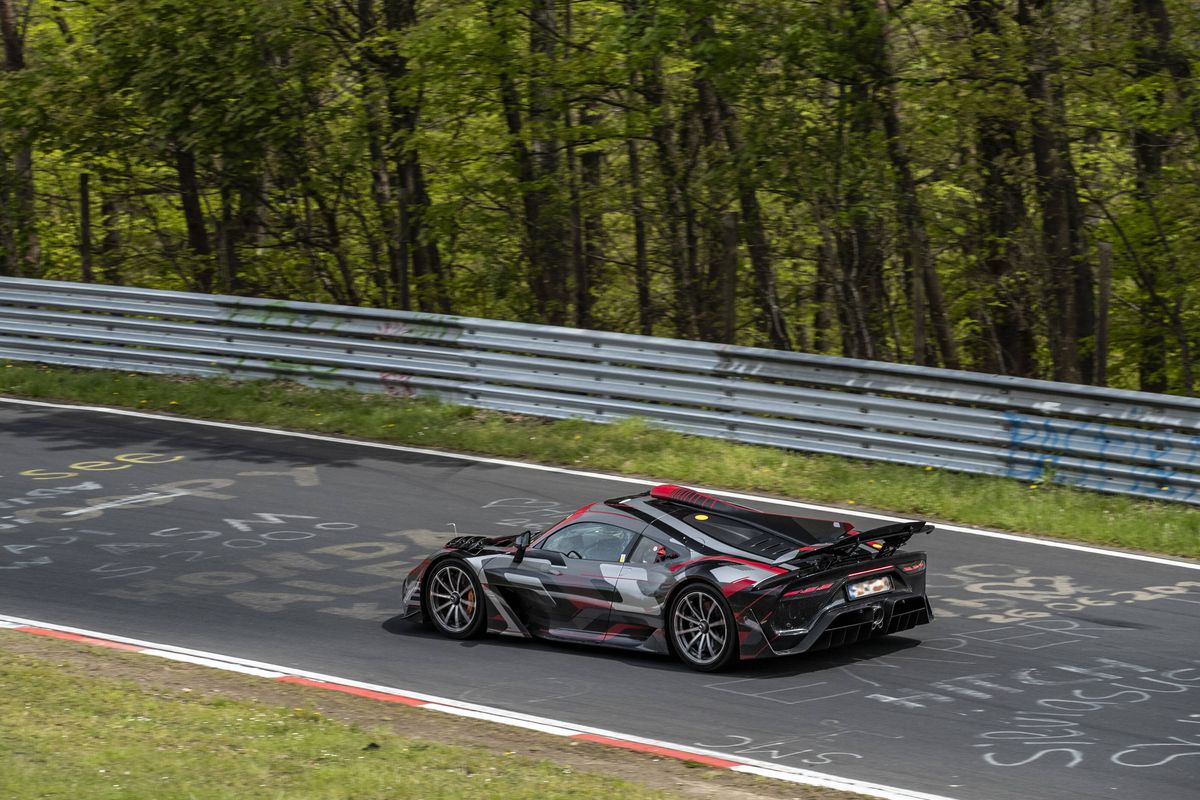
[(1115, 457)]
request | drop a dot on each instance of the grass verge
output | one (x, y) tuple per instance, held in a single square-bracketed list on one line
[(69, 735), (636, 448)]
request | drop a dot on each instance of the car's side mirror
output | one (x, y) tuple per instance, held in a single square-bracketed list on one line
[(521, 542)]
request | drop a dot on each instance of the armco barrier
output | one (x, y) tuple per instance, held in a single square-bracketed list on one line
[(1105, 439)]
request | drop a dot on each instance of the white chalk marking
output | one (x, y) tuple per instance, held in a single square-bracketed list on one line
[(1012, 537)]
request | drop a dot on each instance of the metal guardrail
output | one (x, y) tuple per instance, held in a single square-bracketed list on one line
[(1105, 439)]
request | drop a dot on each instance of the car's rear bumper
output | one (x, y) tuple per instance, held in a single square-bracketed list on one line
[(844, 623)]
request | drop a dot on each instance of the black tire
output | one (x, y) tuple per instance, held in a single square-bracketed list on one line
[(454, 601), (701, 628)]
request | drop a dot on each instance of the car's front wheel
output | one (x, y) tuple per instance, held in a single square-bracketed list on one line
[(454, 600), (702, 629)]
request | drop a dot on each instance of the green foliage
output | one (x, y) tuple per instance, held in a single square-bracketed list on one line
[(305, 120)]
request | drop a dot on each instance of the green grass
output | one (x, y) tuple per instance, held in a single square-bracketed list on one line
[(67, 736), (637, 448)]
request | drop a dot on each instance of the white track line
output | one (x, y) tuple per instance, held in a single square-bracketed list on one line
[(489, 716), (475, 711), (1012, 537), (214, 663)]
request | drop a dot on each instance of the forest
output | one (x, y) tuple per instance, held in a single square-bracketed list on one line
[(1010, 186)]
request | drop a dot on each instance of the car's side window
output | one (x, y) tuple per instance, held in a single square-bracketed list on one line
[(646, 551), (592, 541)]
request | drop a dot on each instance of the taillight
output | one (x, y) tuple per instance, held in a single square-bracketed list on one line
[(916, 566), (808, 590)]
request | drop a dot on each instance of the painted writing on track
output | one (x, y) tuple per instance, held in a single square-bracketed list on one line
[(1060, 727)]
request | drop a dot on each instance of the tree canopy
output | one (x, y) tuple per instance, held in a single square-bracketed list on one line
[(1010, 186)]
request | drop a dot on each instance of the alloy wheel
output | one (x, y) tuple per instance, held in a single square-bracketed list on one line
[(453, 600), (700, 629)]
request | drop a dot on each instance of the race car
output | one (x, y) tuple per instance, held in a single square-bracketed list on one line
[(673, 570)]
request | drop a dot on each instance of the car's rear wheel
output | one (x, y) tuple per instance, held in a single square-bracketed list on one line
[(454, 600), (702, 629)]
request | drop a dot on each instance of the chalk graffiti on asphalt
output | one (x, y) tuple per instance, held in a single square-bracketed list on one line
[(1004, 593), (778, 749), (35, 496), (1059, 729), (160, 494), (266, 574), (1146, 754), (528, 511), (117, 463)]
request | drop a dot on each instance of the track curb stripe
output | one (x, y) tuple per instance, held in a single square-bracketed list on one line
[(666, 752), (368, 693), (74, 637), (570, 730)]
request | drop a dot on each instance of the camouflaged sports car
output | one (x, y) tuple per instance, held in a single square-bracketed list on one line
[(676, 571)]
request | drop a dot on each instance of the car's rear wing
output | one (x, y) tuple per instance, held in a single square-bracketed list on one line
[(896, 533), (886, 540)]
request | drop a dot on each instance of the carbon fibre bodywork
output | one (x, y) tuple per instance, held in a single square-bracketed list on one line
[(608, 574)]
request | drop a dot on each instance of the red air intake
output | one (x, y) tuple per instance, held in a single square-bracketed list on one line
[(690, 497)]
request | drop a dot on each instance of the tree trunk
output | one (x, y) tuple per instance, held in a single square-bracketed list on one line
[(771, 320), (537, 166), (1068, 273), (860, 247), (20, 251), (514, 122), (110, 240), (583, 173), (1105, 286), (578, 267), (1159, 274), (680, 216), (926, 291), (412, 196), (347, 292), (641, 262), (999, 154), (716, 292), (720, 115), (590, 165), (822, 319), (394, 284), (549, 220), (232, 229), (677, 214), (859, 251), (10, 262), (193, 217), (85, 228)]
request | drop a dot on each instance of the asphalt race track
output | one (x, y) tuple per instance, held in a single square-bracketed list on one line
[(1048, 673)]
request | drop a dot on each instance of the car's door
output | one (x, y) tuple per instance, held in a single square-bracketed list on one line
[(565, 586), (643, 584)]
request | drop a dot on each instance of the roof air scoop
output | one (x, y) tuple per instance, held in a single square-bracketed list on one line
[(690, 497)]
